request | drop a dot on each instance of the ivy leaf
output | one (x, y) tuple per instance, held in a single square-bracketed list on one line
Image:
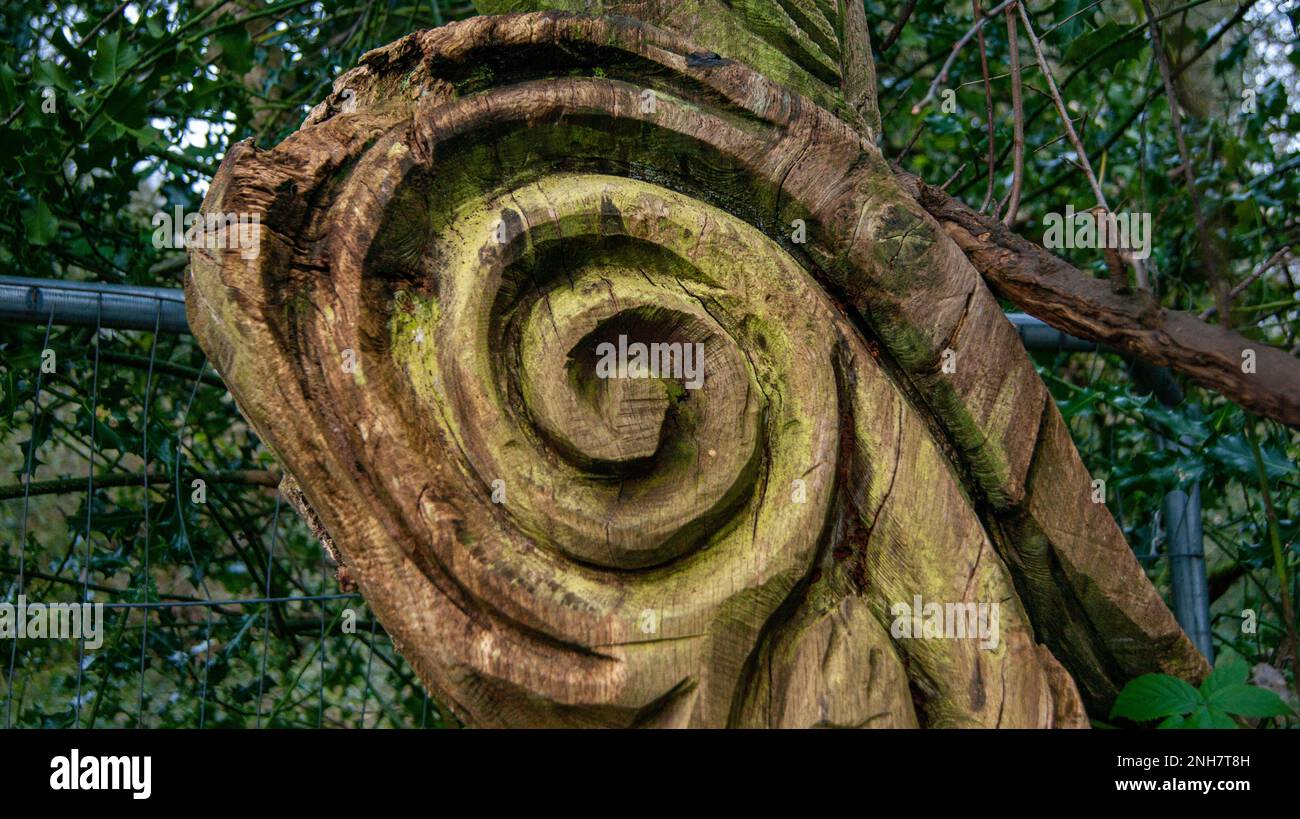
[(1152, 696), (1248, 701)]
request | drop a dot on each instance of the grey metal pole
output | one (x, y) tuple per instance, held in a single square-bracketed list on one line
[(1181, 514), (118, 306), (128, 307), (1182, 517), (1038, 335)]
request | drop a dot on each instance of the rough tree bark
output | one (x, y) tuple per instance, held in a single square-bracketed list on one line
[(475, 208)]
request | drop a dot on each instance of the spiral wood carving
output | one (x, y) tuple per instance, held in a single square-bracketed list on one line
[(447, 243)]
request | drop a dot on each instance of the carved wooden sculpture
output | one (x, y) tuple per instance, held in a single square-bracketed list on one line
[(456, 230)]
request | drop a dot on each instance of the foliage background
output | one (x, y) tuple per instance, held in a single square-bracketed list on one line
[(148, 97)]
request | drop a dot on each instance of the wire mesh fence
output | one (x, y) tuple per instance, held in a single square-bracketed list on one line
[(132, 483)]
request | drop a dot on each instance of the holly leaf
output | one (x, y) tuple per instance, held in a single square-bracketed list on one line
[(236, 49), (127, 107), (47, 73), (1235, 454), (40, 223), (1103, 43), (105, 69)]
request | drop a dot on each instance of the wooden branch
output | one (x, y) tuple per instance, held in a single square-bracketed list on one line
[(1062, 111), (1053, 290), (942, 76), (894, 32), (1139, 269), (1241, 286)]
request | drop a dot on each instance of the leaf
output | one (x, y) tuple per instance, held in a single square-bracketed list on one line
[(1249, 701), (1208, 717), (1067, 19), (1103, 43), (40, 223), (105, 68), (1234, 453), (8, 88), (236, 49), (127, 107), (47, 74), (1152, 696), (1228, 671)]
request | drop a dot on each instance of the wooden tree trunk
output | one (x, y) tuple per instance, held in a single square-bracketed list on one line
[(475, 209)]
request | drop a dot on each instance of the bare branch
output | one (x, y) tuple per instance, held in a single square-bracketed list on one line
[(1248, 281), (1018, 107), (988, 107), (1209, 251), (1075, 141), (252, 477), (942, 76), (898, 26)]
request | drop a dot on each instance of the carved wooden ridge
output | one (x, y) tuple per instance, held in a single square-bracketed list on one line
[(445, 245)]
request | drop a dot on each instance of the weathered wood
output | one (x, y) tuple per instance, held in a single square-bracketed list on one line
[(1258, 376), (448, 240)]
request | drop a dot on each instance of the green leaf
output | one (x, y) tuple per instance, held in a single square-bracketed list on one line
[(1103, 43), (1152, 696), (1249, 701), (236, 49), (8, 88), (1234, 453), (127, 107), (105, 68), (47, 73), (1208, 717), (41, 224), (1229, 670)]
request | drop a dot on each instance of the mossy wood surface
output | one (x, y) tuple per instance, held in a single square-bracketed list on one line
[(475, 208)]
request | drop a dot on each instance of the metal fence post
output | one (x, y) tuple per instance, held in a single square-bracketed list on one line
[(1182, 515)]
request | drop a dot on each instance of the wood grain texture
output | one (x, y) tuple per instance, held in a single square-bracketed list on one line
[(447, 241), (1070, 300)]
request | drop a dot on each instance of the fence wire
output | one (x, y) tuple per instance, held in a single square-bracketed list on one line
[(136, 487)]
